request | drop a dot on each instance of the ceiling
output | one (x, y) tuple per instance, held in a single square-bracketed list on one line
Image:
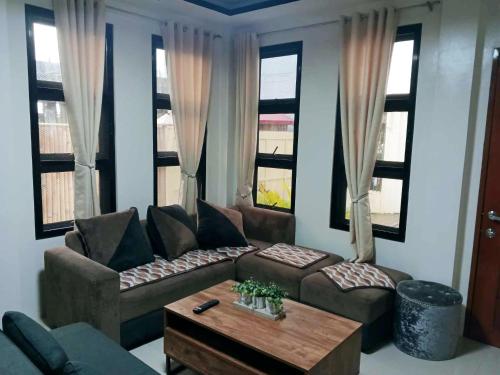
[(290, 14), (232, 7)]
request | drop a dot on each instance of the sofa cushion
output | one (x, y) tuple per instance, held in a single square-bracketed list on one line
[(362, 305), (35, 341), (171, 230), (13, 361), (161, 268), (150, 297), (291, 255), (85, 344), (262, 245), (116, 240), (79, 368), (219, 227), (268, 225), (288, 277)]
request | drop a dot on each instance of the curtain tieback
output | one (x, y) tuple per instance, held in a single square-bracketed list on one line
[(359, 198), (189, 175), (89, 166)]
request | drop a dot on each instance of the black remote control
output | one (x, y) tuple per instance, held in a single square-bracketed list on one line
[(205, 306)]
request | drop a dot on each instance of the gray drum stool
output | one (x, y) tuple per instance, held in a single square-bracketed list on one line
[(427, 320)]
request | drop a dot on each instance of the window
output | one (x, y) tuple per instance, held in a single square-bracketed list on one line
[(276, 160), (391, 177), (167, 176), (52, 151)]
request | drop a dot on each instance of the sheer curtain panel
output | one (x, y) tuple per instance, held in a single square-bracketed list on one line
[(81, 30), (364, 66), (189, 66), (247, 66)]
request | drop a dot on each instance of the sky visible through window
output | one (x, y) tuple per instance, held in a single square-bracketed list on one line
[(278, 77), (400, 70)]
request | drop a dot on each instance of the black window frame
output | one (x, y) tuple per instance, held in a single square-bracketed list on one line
[(275, 106), (170, 158), (383, 169), (53, 163)]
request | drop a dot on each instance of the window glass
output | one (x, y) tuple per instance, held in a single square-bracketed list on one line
[(169, 183), (53, 128), (385, 202), (58, 201), (46, 53), (165, 131), (162, 84), (392, 139), (278, 77), (400, 69), (274, 187), (57, 197), (276, 133)]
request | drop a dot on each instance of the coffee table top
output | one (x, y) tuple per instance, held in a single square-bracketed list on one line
[(302, 339)]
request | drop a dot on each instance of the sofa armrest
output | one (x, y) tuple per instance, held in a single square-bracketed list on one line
[(268, 225), (77, 289)]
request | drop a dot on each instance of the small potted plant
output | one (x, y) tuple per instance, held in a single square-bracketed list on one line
[(274, 299), (259, 296), (244, 290)]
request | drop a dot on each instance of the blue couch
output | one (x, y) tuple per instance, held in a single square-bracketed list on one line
[(79, 341)]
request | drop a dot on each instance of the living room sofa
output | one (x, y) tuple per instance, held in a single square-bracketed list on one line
[(76, 288), (80, 342)]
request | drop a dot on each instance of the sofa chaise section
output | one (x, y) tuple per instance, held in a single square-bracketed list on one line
[(373, 307)]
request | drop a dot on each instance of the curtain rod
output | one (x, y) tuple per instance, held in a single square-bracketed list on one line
[(429, 4), (157, 19)]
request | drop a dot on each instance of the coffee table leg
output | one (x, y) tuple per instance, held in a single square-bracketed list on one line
[(168, 365), (170, 370)]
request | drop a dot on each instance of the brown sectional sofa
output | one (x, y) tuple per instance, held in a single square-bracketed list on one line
[(76, 288)]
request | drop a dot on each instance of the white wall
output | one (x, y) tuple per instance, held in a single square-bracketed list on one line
[(452, 97), (22, 255), (447, 84)]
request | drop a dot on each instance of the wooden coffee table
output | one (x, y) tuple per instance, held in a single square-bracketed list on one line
[(228, 340)]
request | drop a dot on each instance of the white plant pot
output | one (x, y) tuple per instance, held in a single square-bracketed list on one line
[(259, 302), (273, 308), (245, 299)]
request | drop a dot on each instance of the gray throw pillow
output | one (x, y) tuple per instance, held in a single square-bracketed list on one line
[(219, 227), (116, 240), (171, 230), (35, 341)]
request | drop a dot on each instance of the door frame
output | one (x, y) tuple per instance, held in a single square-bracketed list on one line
[(495, 75)]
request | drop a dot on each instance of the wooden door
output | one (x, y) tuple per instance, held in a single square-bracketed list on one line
[(483, 309)]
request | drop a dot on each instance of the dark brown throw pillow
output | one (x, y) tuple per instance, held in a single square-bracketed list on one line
[(116, 240), (171, 230), (219, 227)]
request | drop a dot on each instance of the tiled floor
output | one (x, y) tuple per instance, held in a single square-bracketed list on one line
[(473, 359)]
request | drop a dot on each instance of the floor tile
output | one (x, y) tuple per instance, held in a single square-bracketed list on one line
[(473, 359)]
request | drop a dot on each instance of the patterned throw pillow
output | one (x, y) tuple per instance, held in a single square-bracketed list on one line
[(171, 230), (116, 240), (219, 227)]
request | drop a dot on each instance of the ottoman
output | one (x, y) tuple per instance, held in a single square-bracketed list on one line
[(288, 277), (373, 307), (427, 320)]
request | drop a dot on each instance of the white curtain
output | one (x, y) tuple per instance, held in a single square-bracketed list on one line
[(247, 67), (366, 51), (189, 66), (81, 28)]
